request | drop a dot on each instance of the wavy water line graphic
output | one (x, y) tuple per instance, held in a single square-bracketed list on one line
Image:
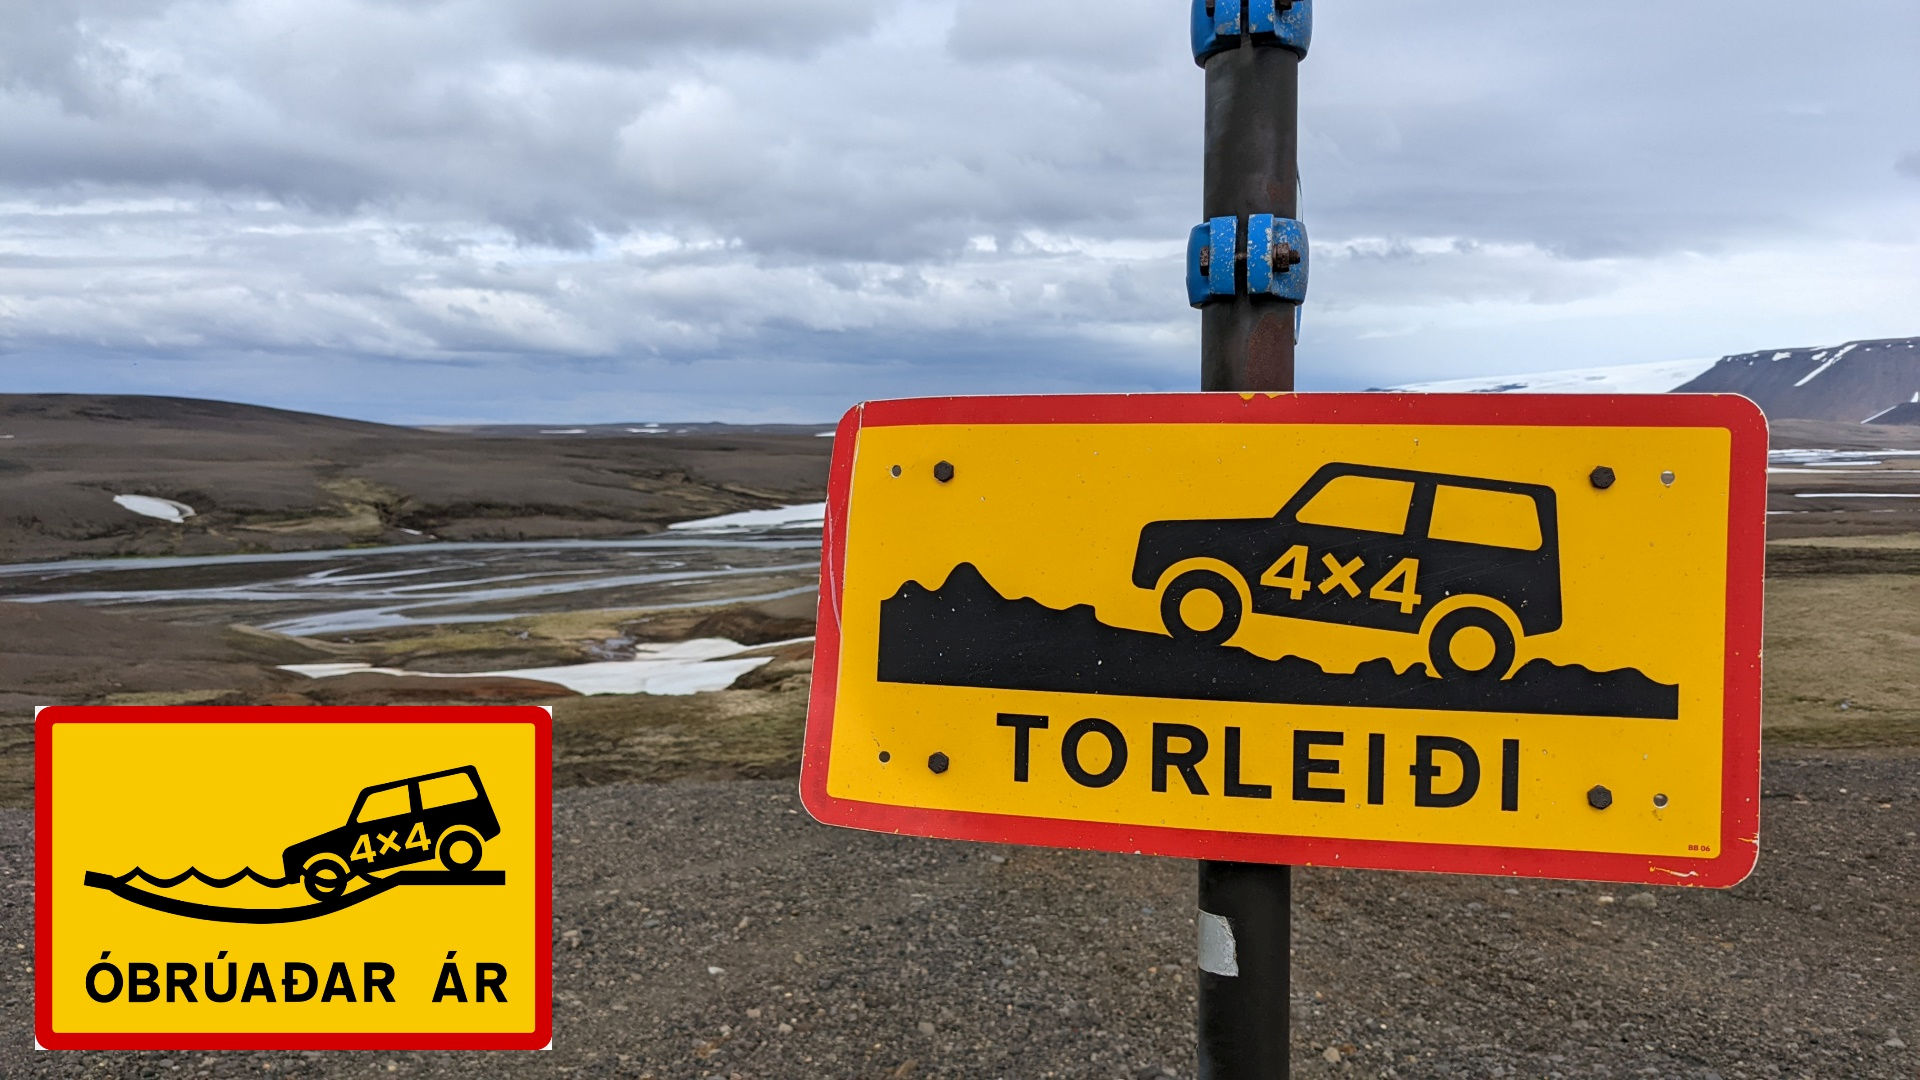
[(119, 886), (196, 874)]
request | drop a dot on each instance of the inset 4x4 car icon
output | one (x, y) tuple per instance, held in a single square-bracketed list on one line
[(235, 910)]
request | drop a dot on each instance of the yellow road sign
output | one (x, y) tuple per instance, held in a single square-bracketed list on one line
[(1513, 635), (316, 878)]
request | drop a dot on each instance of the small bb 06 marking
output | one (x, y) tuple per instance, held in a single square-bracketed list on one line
[(1391, 631)]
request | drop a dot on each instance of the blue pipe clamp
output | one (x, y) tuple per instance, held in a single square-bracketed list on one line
[(1210, 254), (1276, 259), (1218, 25)]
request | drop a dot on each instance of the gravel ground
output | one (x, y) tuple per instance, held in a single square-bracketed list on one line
[(713, 929)]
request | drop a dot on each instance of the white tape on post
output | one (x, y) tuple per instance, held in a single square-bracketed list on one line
[(1217, 953)]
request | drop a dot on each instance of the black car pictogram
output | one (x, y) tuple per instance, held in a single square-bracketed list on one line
[(444, 815), (1434, 554)]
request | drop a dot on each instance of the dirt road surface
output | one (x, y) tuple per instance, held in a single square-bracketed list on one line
[(714, 930)]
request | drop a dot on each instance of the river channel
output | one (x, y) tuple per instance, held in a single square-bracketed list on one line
[(335, 592)]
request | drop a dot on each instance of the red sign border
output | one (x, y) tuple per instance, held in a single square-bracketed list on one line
[(50, 1039), (1746, 569)]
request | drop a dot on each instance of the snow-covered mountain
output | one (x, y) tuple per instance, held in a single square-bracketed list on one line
[(1868, 382), (1654, 378), (1862, 381), (1907, 412)]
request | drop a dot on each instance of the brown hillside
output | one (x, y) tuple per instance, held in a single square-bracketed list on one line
[(264, 479)]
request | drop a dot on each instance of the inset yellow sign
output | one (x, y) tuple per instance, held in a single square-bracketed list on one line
[(1513, 635), (315, 878)]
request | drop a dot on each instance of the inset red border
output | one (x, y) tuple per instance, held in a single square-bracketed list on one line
[(1746, 571), (43, 914)]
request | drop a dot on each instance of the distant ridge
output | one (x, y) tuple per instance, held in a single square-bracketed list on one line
[(1654, 378), (74, 467), (155, 411), (627, 429), (1907, 412), (1859, 382)]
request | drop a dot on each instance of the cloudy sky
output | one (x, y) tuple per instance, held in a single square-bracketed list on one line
[(441, 210)]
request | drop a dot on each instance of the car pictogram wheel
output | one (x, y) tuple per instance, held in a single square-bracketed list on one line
[(1472, 630), (325, 876), (1201, 606), (458, 848)]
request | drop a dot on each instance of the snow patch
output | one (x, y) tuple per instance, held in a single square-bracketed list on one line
[(800, 516), (563, 431), (1834, 457), (676, 668), (1830, 361), (1655, 378), (1781, 355), (148, 506)]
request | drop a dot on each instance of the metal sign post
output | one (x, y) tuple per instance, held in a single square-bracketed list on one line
[(1246, 271), (1247, 265)]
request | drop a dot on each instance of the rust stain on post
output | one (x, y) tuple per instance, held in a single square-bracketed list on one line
[(1270, 352)]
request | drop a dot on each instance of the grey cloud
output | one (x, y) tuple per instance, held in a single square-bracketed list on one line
[(884, 195), (623, 31), (1116, 35), (861, 149), (1596, 131), (46, 50)]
